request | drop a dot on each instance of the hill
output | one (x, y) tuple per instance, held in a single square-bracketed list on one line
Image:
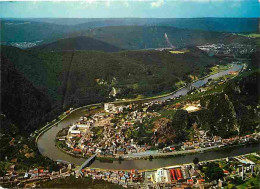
[(232, 25), (234, 111), (83, 77), (28, 31), (77, 43), (146, 37), (23, 107), (125, 33), (227, 110)]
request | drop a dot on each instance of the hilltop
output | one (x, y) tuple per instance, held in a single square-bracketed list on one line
[(77, 43), (126, 33), (18, 30), (146, 37)]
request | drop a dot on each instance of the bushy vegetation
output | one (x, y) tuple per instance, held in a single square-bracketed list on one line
[(253, 183), (212, 171), (37, 86), (79, 78), (227, 112), (144, 37), (21, 101), (29, 30), (72, 182), (23, 109), (171, 127), (20, 150), (233, 111), (77, 43)]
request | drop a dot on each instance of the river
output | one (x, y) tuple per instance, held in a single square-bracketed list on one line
[(46, 142)]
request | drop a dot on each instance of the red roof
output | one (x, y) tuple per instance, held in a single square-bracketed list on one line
[(77, 149)]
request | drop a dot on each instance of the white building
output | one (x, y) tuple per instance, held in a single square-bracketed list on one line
[(108, 107), (83, 126), (72, 130), (161, 176)]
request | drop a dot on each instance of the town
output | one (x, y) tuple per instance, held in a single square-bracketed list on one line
[(107, 133), (106, 136), (227, 51), (217, 173), (231, 169)]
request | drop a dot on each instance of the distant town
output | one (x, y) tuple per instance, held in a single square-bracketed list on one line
[(234, 50)]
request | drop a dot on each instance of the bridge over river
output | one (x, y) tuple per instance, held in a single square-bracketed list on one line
[(86, 164)]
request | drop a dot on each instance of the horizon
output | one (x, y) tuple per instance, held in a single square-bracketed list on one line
[(131, 9), (126, 18)]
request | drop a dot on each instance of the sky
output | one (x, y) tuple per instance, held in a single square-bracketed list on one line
[(130, 8)]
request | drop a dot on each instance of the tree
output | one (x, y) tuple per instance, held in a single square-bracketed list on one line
[(252, 184), (238, 181), (181, 124), (213, 172), (53, 167), (196, 160), (120, 159)]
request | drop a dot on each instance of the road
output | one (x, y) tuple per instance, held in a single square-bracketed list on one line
[(156, 153)]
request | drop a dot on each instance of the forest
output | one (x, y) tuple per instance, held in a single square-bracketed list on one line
[(232, 111), (72, 79)]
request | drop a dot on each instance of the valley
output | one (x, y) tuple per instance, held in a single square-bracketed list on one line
[(156, 102), (113, 109)]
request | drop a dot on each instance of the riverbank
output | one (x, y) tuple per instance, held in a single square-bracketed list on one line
[(47, 147), (62, 117), (213, 160), (190, 152), (177, 165), (150, 157), (149, 154), (186, 174), (171, 93), (54, 122)]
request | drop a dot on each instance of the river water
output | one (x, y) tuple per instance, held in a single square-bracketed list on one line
[(169, 161), (199, 83), (46, 142)]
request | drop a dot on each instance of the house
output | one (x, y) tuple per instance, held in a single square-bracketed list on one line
[(113, 176), (77, 151), (190, 181), (226, 172), (121, 151), (108, 107), (123, 179), (11, 168)]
